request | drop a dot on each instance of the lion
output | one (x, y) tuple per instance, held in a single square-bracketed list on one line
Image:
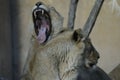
[(49, 35), (47, 24), (57, 53), (60, 58)]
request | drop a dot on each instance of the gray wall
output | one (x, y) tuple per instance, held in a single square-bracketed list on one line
[(5, 41)]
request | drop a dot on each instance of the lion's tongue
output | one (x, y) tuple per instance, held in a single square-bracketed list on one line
[(42, 32), (45, 24), (41, 35)]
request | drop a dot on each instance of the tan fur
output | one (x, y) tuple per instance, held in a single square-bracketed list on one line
[(51, 61), (59, 59), (57, 23)]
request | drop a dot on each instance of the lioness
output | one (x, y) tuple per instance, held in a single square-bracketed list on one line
[(47, 24), (60, 58), (58, 62)]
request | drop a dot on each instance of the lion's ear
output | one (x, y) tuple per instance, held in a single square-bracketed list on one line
[(77, 35)]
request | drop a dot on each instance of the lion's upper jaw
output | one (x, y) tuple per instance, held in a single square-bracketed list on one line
[(41, 6)]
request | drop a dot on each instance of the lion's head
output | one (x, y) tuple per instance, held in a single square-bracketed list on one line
[(47, 22)]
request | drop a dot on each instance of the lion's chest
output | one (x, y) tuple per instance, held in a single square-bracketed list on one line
[(44, 68)]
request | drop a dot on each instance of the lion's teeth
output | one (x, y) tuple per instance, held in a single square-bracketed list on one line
[(35, 14), (42, 11)]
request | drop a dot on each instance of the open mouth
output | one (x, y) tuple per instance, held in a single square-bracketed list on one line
[(42, 24)]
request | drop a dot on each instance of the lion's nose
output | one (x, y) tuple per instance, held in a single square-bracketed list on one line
[(38, 4)]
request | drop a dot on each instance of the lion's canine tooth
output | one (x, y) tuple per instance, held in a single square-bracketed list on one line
[(42, 11)]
